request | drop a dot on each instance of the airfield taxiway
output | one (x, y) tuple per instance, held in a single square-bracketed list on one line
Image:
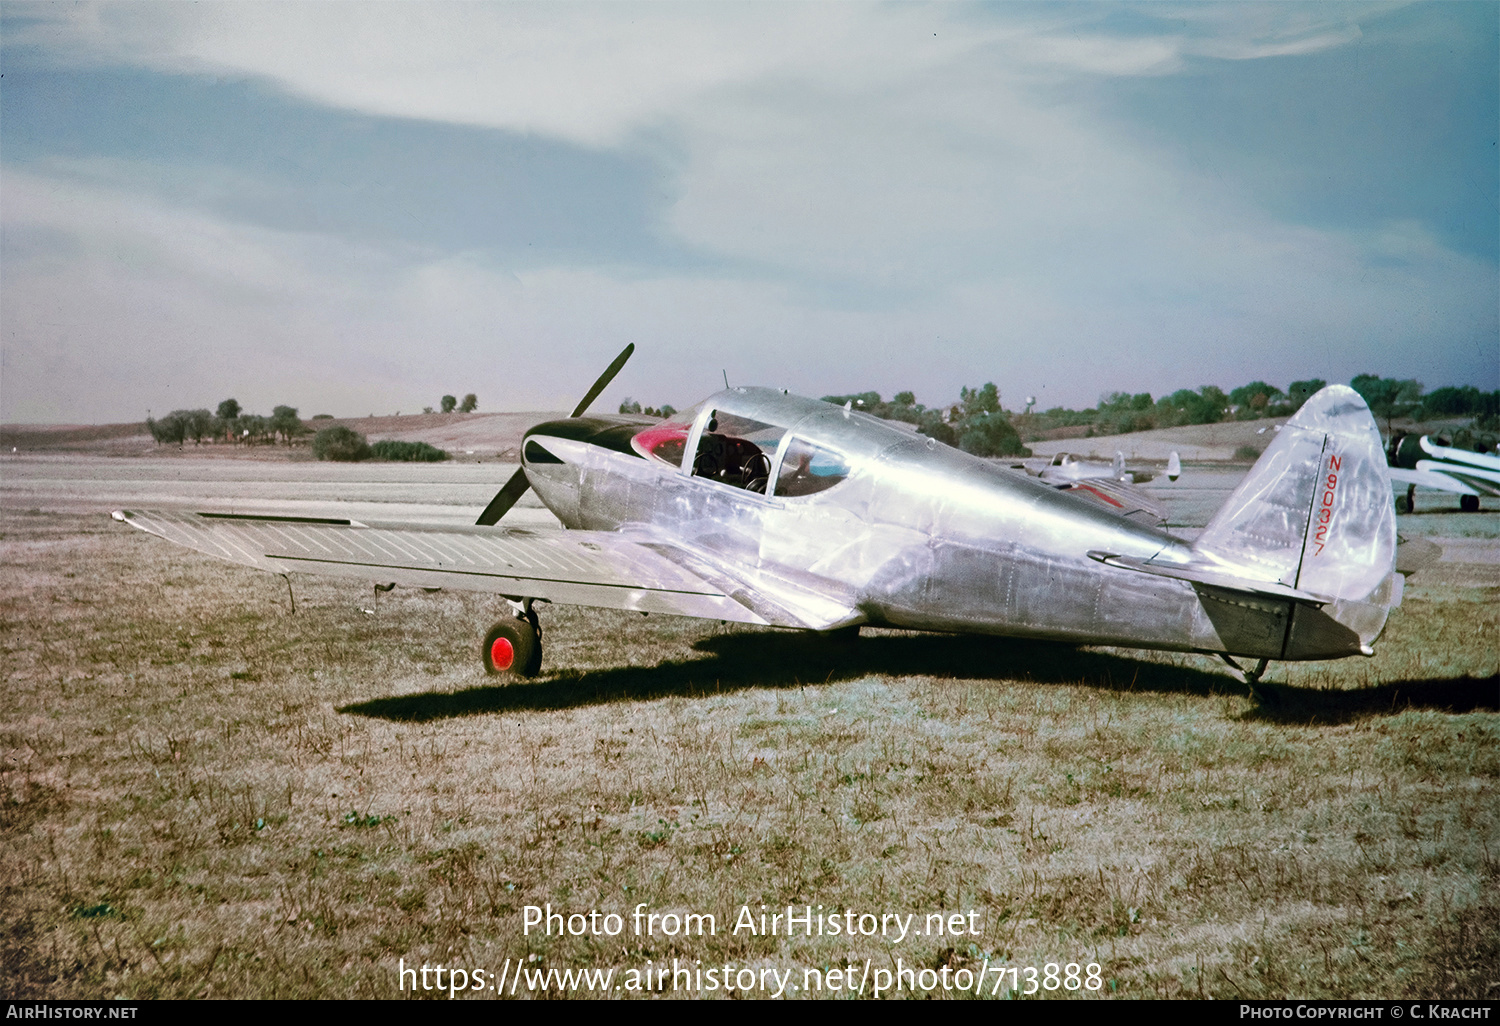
[(453, 493)]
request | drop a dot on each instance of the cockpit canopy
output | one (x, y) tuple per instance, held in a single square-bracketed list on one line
[(759, 450)]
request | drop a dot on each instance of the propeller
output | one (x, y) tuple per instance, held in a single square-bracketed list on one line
[(516, 487)]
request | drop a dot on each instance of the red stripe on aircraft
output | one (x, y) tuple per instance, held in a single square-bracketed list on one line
[(1106, 498)]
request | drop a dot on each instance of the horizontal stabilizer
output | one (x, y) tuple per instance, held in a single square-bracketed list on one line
[(1207, 574)]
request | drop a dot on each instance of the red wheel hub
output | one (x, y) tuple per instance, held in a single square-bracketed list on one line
[(502, 653)]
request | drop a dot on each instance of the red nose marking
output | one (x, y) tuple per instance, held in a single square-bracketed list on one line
[(502, 653)]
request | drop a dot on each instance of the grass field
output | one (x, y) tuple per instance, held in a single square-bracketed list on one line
[(208, 794)]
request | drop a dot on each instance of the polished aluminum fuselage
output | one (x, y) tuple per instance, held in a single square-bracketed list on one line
[(919, 535)]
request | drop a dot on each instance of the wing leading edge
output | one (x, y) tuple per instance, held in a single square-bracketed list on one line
[(589, 568)]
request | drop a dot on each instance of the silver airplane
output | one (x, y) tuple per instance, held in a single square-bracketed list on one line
[(766, 508), (1065, 468), (1108, 484), (1427, 461)]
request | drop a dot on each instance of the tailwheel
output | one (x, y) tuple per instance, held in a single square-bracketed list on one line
[(513, 647), (1252, 678)]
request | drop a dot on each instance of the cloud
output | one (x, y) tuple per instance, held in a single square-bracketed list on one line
[(597, 73), (115, 304), (589, 73), (854, 196)]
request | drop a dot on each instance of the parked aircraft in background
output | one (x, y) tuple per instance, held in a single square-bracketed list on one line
[(1428, 461), (1065, 467), (766, 508), (1107, 484)]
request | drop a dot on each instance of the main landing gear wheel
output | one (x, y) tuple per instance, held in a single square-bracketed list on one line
[(514, 647), (1468, 503)]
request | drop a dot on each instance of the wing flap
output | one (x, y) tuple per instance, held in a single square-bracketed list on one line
[(591, 568)]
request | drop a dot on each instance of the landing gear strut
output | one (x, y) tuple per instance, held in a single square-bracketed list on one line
[(513, 647), (1252, 677)]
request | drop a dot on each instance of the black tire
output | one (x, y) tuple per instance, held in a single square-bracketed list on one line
[(1468, 503), (513, 648)]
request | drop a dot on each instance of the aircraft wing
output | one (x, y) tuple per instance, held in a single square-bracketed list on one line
[(589, 568), (1448, 477), (1119, 498)]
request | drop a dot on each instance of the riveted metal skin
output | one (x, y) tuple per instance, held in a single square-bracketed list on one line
[(920, 535), (765, 508)]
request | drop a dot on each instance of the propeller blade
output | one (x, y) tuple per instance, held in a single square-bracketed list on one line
[(604, 380), (505, 498), (516, 487)]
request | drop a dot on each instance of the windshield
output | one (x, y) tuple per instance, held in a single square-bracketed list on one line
[(807, 469), (666, 441), (737, 451)]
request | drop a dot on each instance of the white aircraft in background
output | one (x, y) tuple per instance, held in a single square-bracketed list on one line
[(1427, 461)]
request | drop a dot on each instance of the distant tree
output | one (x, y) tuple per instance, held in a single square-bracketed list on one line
[(928, 422), (1120, 413), (328, 416), (1253, 400), (1184, 406), (1300, 392), (1458, 402), (254, 428), (629, 405), (1487, 413), (285, 422), (980, 401), (180, 425), (1387, 397), (869, 402), (668, 410), (198, 423), (991, 434), (409, 452), (340, 443), (470, 403), (169, 430), (1214, 402), (427, 409), (226, 417), (449, 403)]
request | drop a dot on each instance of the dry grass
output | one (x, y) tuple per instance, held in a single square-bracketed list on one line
[(204, 794)]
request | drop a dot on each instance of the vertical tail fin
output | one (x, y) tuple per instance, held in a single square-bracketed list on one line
[(1315, 514)]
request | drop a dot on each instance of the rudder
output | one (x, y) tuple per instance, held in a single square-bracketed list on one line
[(1315, 514)]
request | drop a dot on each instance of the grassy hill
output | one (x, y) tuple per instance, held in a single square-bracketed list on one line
[(480, 435)]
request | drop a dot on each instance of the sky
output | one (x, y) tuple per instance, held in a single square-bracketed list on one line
[(358, 208)]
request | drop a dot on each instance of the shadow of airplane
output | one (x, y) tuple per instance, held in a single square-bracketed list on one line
[(1281, 703), (774, 659)]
